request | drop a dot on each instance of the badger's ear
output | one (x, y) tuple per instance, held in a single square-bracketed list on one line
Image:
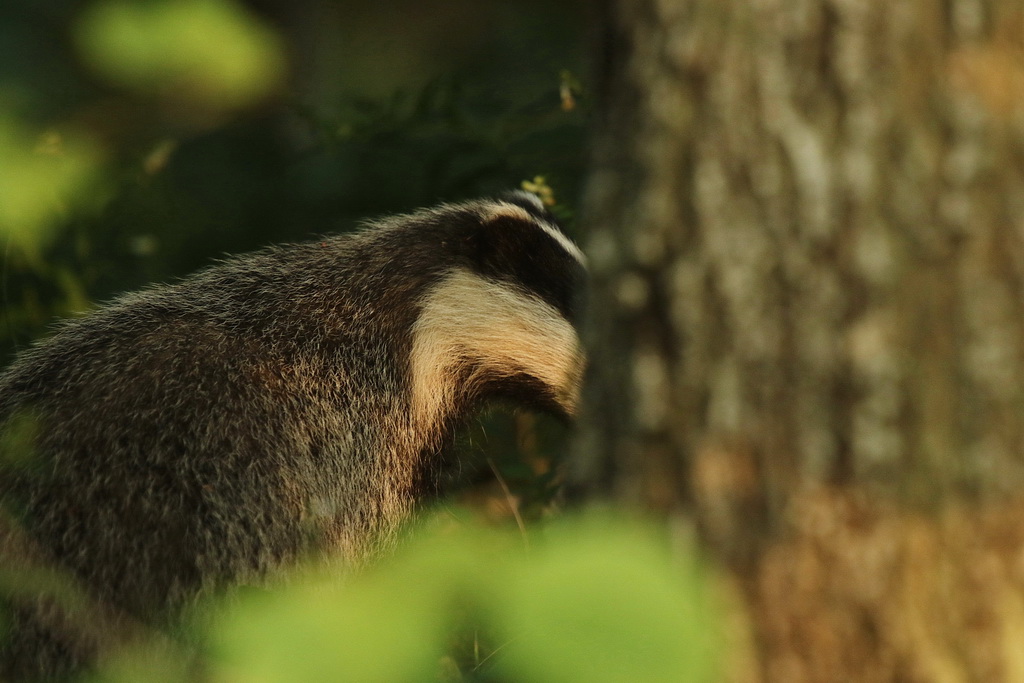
[(529, 251), (527, 201), (507, 236)]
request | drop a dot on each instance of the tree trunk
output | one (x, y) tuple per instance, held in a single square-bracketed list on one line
[(806, 231)]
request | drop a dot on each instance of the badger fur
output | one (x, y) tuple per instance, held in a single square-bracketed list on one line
[(199, 435)]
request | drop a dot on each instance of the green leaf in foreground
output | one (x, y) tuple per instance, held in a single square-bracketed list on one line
[(595, 600), (604, 602)]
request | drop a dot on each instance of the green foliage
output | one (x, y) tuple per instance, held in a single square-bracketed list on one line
[(593, 599), (42, 177), (603, 603), (209, 51), (58, 181), (449, 139)]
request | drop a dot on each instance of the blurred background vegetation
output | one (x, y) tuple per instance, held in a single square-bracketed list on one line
[(140, 139)]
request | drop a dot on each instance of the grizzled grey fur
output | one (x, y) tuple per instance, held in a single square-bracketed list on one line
[(199, 435)]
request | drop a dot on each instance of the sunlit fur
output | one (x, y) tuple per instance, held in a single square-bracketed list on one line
[(300, 399)]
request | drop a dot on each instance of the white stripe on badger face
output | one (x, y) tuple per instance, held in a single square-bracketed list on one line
[(468, 319), (505, 210)]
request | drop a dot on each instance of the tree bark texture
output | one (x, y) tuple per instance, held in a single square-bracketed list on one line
[(806, 231)]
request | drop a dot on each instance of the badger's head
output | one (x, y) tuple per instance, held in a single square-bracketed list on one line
[(504, 321)]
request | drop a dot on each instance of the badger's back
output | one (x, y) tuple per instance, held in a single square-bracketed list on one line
[(200, 434)]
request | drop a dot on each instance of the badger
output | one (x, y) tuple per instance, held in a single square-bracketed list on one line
[(200, 435)]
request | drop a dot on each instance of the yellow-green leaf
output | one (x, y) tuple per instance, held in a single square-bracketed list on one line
[(212, 52)]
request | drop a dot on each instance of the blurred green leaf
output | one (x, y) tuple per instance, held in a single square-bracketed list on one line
[(604, 602), (381, 632), (154, 662), (597, 600), (208, 52), (42, 176)]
